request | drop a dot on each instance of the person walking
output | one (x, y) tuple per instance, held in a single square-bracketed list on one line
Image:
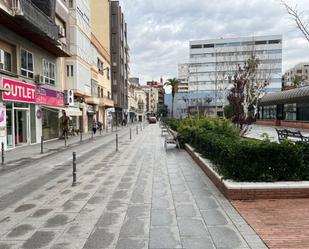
[(64, 124), (94, 126)]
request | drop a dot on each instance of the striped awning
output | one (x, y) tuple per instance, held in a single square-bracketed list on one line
[(297, 95)]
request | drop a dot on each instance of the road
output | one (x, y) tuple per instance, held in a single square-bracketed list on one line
[(138, 197)]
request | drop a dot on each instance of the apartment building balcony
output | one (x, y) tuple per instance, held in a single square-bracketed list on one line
[(33, 23)]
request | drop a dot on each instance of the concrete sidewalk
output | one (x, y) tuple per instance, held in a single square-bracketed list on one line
[(138, 198), (27, 153)]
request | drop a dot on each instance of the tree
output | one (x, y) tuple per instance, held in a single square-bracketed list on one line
[(297, 80), (296, 15), (162, 110), (174, 84), (228, 111), (244, 94)]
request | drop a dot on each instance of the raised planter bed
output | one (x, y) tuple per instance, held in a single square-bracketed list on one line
[(251, 191)]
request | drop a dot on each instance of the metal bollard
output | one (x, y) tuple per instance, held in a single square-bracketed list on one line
[(65, 140), (42, 142), (137, 130), (140, 125), (2, 153), (81, 136), (92, 135), (100, 131), (106, 128), (74, 169), (130, 133), (116, 142)]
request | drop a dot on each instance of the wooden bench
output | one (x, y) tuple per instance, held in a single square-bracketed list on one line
[(171, 138), (285, 134)]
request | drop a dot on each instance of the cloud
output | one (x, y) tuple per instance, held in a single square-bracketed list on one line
[(160, 30)]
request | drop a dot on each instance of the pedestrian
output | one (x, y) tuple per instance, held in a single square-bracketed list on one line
[(64, 125), (100, 126), (94, 126)]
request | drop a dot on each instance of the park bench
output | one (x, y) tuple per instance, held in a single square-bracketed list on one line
[(291, 135), (171, 138), (164, 130)]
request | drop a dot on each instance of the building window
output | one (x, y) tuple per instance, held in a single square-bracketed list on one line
[(27, 64), (102, 93), (107, 73), (269, 112), (7, 62), (49, 72), (196, 46), (260, 42), (290, 111), (274, 41), (100, 65), (70, 71)]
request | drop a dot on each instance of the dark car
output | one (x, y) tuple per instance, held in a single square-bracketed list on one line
[(152, 120)]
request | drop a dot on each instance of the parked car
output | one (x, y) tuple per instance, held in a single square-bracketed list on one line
[(152, 120)]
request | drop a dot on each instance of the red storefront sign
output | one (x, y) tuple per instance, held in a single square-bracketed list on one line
[(19, 91), (24, 92)]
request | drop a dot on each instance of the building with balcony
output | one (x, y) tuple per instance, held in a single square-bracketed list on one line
[(159, 90), (134, 86), (214, 62), (101, 91), (120, 62), (297, 76), (33, 38), (183, 77)]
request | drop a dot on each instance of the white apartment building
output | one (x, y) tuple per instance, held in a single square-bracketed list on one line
[(183, 77), (214, 62), (300, 71)]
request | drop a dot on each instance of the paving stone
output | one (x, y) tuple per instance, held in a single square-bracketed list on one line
[(164, 237), (101, 238), (161, 203), (138, 211), (206, 203), (135, 243), (186, 210), (39, 239), (163, 218), (225, 237), (192, 227), (214, 217), (197, 243), (109, 219), (135, 227), (20, 232)]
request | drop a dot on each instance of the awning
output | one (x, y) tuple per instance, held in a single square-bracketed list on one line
[(298, 95), (73, 111), (53, 108)]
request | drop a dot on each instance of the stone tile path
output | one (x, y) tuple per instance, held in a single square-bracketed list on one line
[(283, 224), (141, 197)]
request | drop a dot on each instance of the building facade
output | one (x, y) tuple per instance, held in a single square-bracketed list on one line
[(296, 76), (33, 37), (183, 77), (214, 62), (120, 63)]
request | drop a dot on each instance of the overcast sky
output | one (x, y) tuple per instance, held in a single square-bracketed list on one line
[(160, 30)]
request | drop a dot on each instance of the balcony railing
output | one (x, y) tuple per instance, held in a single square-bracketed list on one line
[(36, 20)]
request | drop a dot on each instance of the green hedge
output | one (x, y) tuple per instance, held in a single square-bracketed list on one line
[(242, 159)]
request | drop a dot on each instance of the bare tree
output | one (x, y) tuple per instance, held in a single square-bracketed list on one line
[(297, 16)]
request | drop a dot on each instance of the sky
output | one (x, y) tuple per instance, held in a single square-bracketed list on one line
[(159, 31)]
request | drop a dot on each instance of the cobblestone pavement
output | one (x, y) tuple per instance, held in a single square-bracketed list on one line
[(139, 197), (283, 224)]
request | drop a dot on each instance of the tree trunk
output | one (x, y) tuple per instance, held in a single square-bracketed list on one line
[(172, 106)]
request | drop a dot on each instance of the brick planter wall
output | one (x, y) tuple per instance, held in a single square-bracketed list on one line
[(284, 123), (236, 192)]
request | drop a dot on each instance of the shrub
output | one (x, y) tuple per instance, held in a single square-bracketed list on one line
[(242, 159)]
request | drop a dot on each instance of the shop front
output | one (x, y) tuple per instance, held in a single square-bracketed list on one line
[(31, 112), (20, 110)]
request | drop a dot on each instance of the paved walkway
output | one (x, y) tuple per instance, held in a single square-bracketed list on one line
[(283, 224), (140, 197)]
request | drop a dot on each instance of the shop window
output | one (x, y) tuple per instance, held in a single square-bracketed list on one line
[(70, 71), (290, 111), (49, 72), (269, 112), (27, 64)]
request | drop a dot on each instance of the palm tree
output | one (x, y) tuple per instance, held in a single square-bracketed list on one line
[(174, 84)]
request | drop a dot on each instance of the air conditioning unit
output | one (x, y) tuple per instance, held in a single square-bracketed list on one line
[(69, 97), (61, 31), (39, 79)]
